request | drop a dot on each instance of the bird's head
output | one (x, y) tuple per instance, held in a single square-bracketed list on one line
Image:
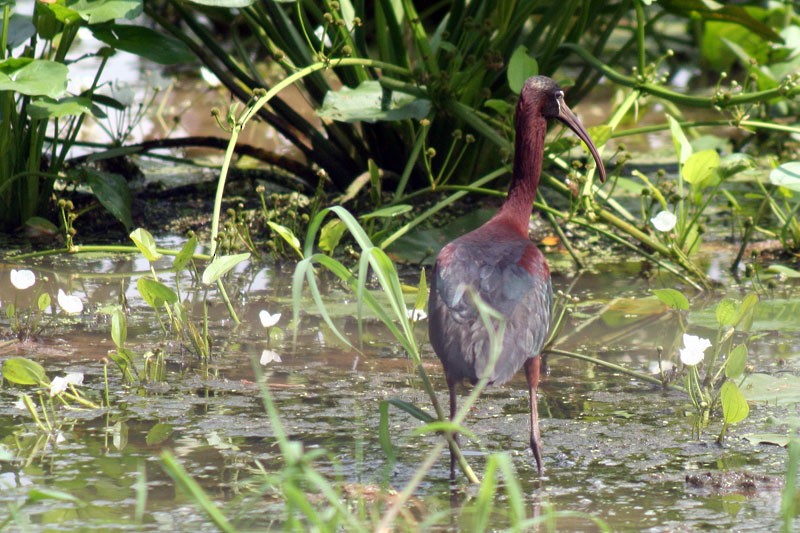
[(542, 95)]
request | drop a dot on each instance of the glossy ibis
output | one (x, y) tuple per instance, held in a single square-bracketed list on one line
[(498, 262)]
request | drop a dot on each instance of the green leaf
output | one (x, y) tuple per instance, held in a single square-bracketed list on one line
[(384, 435), (734, 367), (158, 434), (33, 77), (412, 409), (747, 310), (287, 235), (45, 107), (185, 255), (233, 3), (146, 244), (787, 175), (22, 371), (144, 42), (784, 271), (44, 302), (783, 389), (600, 135), (673, 298), (734, 406), (682, 145), (388, 212), (155, 293), (113, 193), (119, 328), (521, 66), (370, 102), (221, 265), (39, 494), (727, 311), (330, 235), (99, 11), (700, 168)]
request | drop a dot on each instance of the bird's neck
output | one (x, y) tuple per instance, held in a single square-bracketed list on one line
[(528, 155)]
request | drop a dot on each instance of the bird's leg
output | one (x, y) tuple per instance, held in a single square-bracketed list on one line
[(451, 385), (532, 373)]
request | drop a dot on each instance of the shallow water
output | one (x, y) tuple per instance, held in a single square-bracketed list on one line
[(615, 447)]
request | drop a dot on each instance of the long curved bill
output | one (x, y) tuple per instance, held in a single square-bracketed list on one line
[(566, 116)]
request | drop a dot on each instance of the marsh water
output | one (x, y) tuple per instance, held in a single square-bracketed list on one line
[(615, 447)]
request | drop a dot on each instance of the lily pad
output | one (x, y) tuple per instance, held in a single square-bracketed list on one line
[(783, 389)]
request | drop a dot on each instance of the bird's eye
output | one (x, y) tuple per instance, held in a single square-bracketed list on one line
[(560, 95)]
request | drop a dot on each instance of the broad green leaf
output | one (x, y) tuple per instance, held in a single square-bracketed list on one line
[(521, 66), (370, 102), (388, 212), (782, 389), (734, 367), (22, 371), (746, 312), (45, 107), (41, 227), (682, 145), (784, 271), (787, 175), (502, 107), (776, 439), (734, 406), (44, 302), (144, 42), (185, 255), (221, 265), (113, 193), (119, 328), (158, 434), (330, 235), (39, 494), (155, 293), (727, 310), (700, 168), (20, 29), (37, 77), (99, 11), (287, 235), (146, 244), (673, 298)]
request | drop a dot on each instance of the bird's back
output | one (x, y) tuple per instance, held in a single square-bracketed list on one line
[(511, 275)]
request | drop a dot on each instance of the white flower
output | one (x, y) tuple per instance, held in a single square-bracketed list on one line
[(22, 279), (268, 356), (20, 404), (322, 35), (693, 349), (415, 315), (60, 383), (70, 304), (268, 320), (664, 221)]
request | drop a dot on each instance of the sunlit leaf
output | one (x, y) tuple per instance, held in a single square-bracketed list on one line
[(784, 271), (330, 235), (727, 310), (787, 175), (221, 265), (33, 77), (159, 433), (44, 108), (682, 145), (388, 212), (146, 244), (734, 367), (185, 255), (155, 293), (120, 435), (22, 371), (41, 493), (119, 328), (673, 298), (96, 12), (734, 406), (287, 235), (782, 389), (43, 302), (777, 439), (701, 167), (521, 66), (370, 102)]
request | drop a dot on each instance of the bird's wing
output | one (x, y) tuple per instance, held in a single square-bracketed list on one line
[(510, 277)]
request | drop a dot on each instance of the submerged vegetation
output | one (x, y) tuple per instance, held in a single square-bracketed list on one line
[(413, 120)]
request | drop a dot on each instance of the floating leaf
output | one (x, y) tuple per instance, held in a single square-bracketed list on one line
[(783, 389), (158, 434), (673, 298), (221, 265), (370, 102), (22, 371), (146, 244), (521, 66), (734, 406), (736, 362)]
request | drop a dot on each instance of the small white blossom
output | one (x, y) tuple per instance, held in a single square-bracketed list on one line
[(20, 404), (693, 350), (22, 279), (322, 35), (74, 378), (664, 221), (268, 320), (70, 304), (268, 356), (415, 315), (58, 385)]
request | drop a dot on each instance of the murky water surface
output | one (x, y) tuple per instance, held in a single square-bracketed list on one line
[(615, 447)]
